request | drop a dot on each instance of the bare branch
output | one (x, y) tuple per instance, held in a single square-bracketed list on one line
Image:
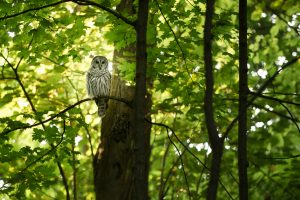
[(80, 2), (277, 183), (182, 164), (275, 12), (274, 112), (189, 151), (113, 12), (293, 119), (33, 9), (282, 93), (282, 158), (275, 99), (187, 148), (65, 110), (260, 91), (272, 78)]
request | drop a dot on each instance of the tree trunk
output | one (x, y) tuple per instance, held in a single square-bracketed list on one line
[(243, 90), (114, 159), (213, 134), (141, 136)]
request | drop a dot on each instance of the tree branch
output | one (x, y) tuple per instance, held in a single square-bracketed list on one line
[(275, 99), (41, 157), (82, 117), (272, 78), (177, 42), (15, 70), (128, 103), (174, 35), (113, 12), (282, 19), (173, 132), (164, 191), (282, 93), (49, 151), (274, 112), (293, 119), (33, 9), (278, 183), (189, 151), (182, 164), (282, 158), (79, 2), (260, 91)]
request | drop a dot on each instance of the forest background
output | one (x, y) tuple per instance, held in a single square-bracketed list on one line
[(207, 64)]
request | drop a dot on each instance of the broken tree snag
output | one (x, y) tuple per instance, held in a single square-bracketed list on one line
[(113, 162)]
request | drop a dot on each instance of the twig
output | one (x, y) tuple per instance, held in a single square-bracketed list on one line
[(45, 154), (293, 119), (82, 117), (280, 101), (176, 40), (275, 99), (163, 165), (174, 35), (282, 93), (164, 192), (182, 164), (187, 148), (274, 112), (272, 78), (282, 158)]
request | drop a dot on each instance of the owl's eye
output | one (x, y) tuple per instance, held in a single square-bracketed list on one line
[(103, 62), (97, 61)]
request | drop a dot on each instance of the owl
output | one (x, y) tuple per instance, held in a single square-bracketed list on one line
[(98, 82)]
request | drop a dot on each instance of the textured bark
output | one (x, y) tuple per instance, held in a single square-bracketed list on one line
[(114, 165), (243, 90), (113, 162), (215, 141)]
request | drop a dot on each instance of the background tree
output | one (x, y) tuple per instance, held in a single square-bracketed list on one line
[(45, 52)]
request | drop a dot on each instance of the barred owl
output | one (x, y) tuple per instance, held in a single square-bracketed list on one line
[(98, 82)]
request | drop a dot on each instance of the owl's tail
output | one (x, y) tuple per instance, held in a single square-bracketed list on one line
[(102, 105)]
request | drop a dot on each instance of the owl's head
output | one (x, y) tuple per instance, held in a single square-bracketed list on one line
[(99, 62)]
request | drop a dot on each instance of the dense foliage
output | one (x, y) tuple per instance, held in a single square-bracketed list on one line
[(44, 54)]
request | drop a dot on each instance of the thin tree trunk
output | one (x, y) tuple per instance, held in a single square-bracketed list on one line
[(243, 90), (141, 139), (215, 141)]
